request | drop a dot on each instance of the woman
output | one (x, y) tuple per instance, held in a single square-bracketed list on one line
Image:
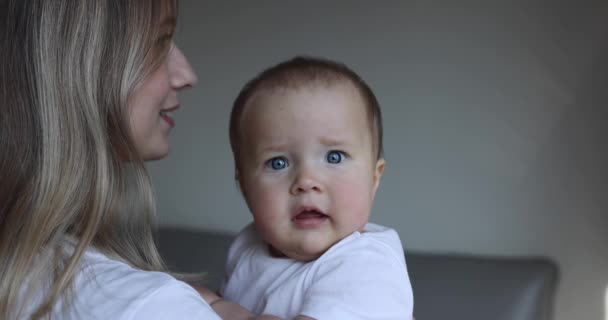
[(86, 91)]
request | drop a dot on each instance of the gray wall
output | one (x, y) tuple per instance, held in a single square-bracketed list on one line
[(495, 120)]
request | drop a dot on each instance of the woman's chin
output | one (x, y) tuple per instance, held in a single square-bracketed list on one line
[(156, 153)]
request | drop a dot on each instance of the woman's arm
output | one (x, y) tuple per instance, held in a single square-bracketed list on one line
[(229, 310)]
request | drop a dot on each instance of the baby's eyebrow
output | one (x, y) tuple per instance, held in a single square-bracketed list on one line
[(333, 141), (272, 147)]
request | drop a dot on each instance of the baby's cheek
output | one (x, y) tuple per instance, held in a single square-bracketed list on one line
[(354, 198), (265, 202)]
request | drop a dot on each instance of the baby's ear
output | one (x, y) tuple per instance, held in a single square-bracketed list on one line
[(378, 171)]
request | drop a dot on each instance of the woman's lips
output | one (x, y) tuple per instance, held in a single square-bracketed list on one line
[(167, 115), (168, 119)]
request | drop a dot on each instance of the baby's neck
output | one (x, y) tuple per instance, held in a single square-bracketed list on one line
[(275, 253)]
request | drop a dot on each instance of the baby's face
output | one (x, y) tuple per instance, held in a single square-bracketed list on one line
[(308, 172)]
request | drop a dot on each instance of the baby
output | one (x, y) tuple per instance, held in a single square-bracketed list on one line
[(306, 136)]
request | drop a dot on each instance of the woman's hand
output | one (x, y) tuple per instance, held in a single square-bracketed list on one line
[(209, 296), (229, 310)]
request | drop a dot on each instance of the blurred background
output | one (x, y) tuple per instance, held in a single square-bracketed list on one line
[(495, 117)]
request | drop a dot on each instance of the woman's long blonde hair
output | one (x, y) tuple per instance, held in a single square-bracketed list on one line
[(68, 167)]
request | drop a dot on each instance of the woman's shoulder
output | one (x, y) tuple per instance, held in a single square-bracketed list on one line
[(99, 270), (111, 289)]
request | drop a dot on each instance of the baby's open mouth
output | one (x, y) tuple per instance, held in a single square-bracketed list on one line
[(310, 218), (310, 214)]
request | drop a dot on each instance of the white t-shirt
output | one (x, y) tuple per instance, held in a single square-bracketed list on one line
[(364, 276), (105, 288)]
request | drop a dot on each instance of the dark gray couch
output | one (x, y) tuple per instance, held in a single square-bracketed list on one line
[(445, 286)]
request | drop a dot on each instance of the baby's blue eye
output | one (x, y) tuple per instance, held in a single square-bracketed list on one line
[(335, 156), (277, 163)]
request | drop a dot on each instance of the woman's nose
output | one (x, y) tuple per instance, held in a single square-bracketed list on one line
[(181, 73)]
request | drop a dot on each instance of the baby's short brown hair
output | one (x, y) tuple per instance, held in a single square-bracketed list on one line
[(299, 72)]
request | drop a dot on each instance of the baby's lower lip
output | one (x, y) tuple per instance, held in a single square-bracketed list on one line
[(309, 220)]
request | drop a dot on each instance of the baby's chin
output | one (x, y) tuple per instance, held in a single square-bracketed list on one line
[(301, 254)]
